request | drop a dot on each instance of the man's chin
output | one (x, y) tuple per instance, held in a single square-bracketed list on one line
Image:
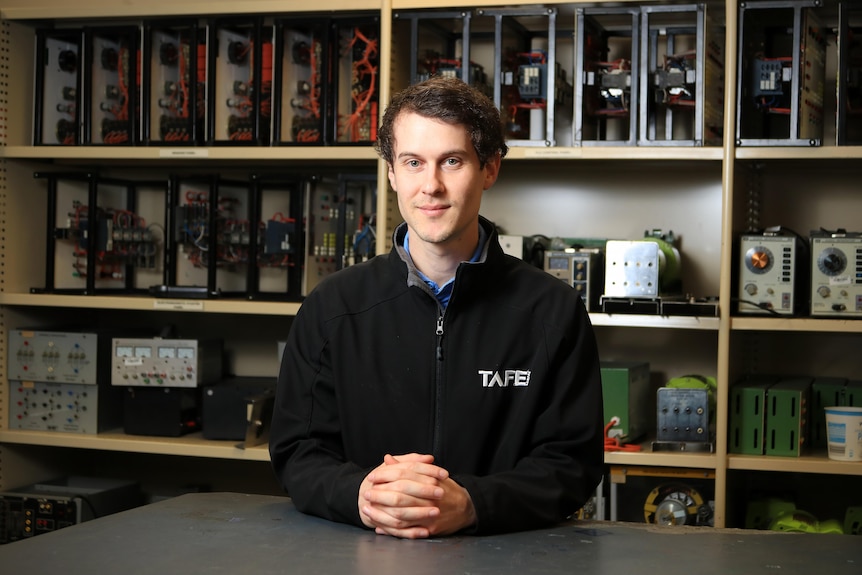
[(431, 235)]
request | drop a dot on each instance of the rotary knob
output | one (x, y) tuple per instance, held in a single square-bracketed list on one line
[(831, 261), (759, 259)]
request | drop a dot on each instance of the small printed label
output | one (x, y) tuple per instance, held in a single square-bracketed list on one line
[(837, 432), (552, 153), (133, 361), (184, 153), (178, 304)]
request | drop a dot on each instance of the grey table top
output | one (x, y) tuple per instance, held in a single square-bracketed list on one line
[(238, 533)]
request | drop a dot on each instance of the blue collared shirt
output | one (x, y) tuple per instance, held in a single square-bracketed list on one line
[(444, 292)]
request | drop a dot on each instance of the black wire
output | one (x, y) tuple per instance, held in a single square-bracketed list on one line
[(89, 505), (763, 306)]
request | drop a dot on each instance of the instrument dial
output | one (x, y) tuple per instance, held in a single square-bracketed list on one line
[(831, 261), (759, 259)]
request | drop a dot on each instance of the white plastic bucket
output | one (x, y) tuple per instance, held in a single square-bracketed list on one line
[(844, 433)]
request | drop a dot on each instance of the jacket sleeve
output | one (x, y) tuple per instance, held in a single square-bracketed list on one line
[(566, 460), (305, 436)]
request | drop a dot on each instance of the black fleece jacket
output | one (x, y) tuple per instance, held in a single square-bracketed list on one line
[(503, 388)]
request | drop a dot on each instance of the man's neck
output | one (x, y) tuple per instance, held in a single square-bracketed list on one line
[(440, 262)]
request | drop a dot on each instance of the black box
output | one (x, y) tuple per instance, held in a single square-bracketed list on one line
[(44, 507), (224, 409), (162, 411)]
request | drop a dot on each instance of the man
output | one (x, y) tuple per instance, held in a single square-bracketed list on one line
[(445, 387)]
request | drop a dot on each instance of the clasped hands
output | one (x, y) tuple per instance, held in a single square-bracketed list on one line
[(408, 496)]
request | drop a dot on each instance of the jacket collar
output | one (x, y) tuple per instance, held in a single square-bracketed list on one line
[(491, 247)]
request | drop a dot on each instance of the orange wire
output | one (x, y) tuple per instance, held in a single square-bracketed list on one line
[(613, 443)]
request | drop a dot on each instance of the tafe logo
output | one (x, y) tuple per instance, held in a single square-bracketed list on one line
[(513, 377)]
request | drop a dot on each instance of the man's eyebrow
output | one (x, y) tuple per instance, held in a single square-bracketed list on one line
[(446, 154)]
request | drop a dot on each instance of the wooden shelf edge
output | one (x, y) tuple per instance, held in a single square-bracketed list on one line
[(828, 325), (818, 463), (51, 9), (425, 4), (203, 154), (342, 153), (662, 459), (151, 304), (799, 153), (663, 153), (805, 464), (657, 321), (192, 445)]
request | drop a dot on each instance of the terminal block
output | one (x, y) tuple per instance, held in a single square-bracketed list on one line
[(529, 87), (113, 91), (682, 83), (301, 86), (356, 74), (232, 238), (340, 225), (607, 76), (849, 128), (57, 120), (440, 44), (106, 235), (781, 63), (208, 236), (240, 82), (174, 78)]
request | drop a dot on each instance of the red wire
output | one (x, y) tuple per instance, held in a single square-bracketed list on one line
[(613, 443)]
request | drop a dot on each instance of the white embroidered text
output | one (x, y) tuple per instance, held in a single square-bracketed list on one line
[(513, 377)]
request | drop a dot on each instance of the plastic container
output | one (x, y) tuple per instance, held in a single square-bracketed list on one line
[(844, 433)]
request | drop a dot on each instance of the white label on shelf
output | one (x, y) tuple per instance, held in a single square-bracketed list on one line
[(184, 153), (552, 152), (179, 304)]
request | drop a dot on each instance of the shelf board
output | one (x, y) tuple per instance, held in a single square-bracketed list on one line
[(662, 459), (803, 324), (615, 153), (215, 153), (340, 153), (192, 445), (817, 463), (413, 4), (239, 306), (657, 321), (38, 9), (799, 153), (151, 304)]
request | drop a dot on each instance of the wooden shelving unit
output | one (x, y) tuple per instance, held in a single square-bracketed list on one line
[(703, 191)]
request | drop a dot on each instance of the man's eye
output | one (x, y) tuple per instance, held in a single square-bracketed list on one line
[(413, 163), (452, 162)]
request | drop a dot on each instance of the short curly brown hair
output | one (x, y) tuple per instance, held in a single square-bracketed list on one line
[(452, 101)]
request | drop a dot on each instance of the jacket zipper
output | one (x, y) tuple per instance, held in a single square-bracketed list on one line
[(438, 381)]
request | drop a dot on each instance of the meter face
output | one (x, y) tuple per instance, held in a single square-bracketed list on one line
[(143, 351), (167, 352)]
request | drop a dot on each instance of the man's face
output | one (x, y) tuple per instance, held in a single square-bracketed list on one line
[(436, 175)]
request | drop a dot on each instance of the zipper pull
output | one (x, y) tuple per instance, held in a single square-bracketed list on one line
[(440, 338)]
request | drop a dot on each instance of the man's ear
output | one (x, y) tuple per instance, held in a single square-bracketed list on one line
[(391, 173), (492, 170)]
